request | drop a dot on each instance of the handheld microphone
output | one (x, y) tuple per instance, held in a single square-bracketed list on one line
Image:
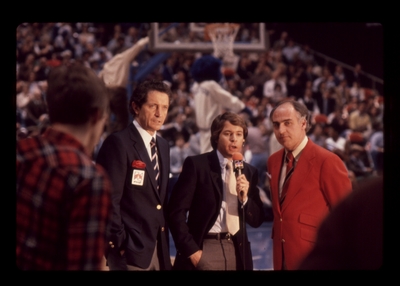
[(238, 165)]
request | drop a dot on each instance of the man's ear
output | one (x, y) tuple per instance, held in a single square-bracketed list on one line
[(135, 108), (304, 123)]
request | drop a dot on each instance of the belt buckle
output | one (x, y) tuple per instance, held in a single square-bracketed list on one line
[(228, 236)]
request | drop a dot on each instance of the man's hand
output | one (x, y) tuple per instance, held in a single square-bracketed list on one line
[(195, 257)]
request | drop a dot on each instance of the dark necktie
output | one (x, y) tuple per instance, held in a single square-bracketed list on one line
[(289, 171), (154, 160)]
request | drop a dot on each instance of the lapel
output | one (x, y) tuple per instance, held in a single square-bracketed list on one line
[(215, 173), (275, 171), (301, 172), (139, 146)]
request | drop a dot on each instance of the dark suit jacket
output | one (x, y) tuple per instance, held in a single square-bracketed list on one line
[(319, 181), (199, 191), (138, 218)]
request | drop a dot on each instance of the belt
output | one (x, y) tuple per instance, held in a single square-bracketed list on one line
[(218, 236)]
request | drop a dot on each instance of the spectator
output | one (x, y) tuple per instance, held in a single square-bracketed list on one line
[(339, 75), (26, 68), (360, 120), (311, 103), (306, 55), (357, 164), (178, 153), (356, 75), (257, 142), (262, 73), (325, 100), (117, 35), (63, 199), (54, 61), (294, 88), (35, 108), (356, 92), (44, 48), (274, 83), (282, 41), (376, 147), (132, 36), (318, 134), (168, 70), (336, 143), (342, 92), (210, 98), (41, 69), (290, 51)]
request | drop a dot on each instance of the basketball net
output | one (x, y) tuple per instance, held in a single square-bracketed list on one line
[(222, 36)]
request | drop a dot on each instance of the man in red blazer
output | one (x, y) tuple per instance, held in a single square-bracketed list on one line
[(316, 183)]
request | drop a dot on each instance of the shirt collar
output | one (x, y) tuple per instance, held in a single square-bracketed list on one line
[(62, 138), (299, 148), (143, 133), (222, 160)]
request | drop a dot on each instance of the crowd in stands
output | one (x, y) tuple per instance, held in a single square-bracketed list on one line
[(346, 116)]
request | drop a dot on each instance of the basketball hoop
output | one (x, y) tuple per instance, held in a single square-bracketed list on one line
[(223, 36)]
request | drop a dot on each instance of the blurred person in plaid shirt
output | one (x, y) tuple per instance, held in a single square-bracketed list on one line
[(63, 198)]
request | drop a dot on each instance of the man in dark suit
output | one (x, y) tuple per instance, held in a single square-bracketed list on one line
[(200, 203), (316, 181), (138, 235)]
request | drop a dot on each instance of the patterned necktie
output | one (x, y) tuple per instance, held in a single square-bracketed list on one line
[(154, 160), (232, 216), (289, 171)]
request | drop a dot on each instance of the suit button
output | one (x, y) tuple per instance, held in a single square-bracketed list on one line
[(280, 219), (159, 207), (112, 246), (111, 243), (283, 240), (162, 228)]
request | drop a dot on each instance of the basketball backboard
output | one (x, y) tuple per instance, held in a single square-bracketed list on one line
[(184, 37)]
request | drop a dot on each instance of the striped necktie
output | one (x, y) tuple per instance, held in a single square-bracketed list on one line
[(289, 171), (154, 161)]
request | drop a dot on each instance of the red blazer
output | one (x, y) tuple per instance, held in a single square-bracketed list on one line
[(319, 181)]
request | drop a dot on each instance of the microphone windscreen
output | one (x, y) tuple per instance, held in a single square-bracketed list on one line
[(237, 157)]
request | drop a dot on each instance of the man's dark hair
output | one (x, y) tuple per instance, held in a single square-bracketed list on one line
[(219, 122), (299, 107), (139, 95), (74, 94)]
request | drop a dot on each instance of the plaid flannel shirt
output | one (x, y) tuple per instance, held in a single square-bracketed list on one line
[(63, 205)]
